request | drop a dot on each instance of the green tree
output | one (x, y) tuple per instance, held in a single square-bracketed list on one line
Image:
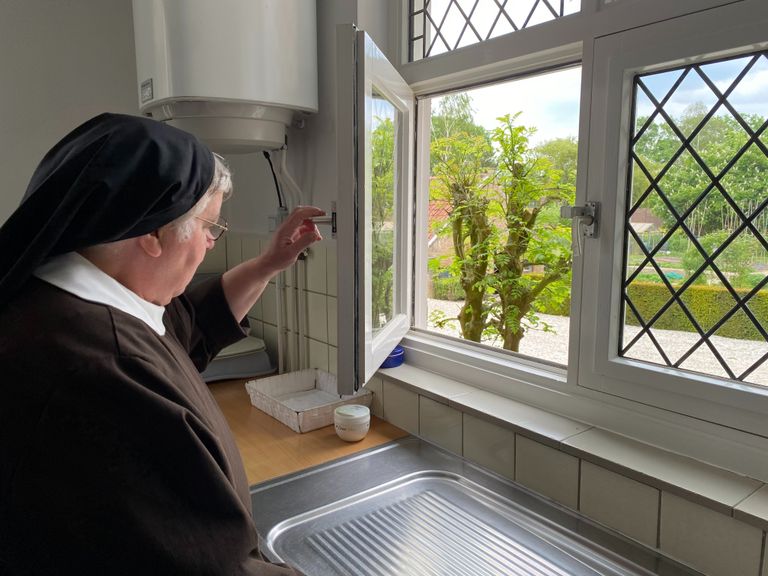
[(562, 154), (382, 211), (460, 179), (528, 184), (734, 261), (504, 218), (453, 118), (716, 142)]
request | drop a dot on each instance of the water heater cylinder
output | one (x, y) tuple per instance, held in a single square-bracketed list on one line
[(234, 72)]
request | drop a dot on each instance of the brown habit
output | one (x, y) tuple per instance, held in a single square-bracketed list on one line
[(114, 457)]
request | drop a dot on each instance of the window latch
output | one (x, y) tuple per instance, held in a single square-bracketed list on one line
[(587, 218)]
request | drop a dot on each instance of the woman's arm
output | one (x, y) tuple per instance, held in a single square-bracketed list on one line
[(244, 284)]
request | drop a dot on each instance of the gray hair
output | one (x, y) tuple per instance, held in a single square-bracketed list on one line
[(221, 183)]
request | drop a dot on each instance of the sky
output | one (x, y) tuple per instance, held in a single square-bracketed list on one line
[(550, 102), (749, 96)]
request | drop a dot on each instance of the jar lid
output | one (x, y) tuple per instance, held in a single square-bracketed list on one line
[(352, 412)]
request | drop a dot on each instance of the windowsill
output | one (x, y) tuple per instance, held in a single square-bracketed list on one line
[(729, 493)]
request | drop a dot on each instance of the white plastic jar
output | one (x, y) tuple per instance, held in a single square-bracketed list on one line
[(352, 422)]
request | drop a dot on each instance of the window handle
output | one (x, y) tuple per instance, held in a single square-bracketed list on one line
[(587, 217)]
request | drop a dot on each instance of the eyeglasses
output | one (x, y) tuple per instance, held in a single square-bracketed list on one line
[(217, 229)]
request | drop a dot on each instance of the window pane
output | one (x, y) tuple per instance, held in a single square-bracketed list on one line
[(452, 24), (383, 178), (696, 224), (502, 162)]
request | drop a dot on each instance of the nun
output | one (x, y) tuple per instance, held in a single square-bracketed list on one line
[(114, 456)]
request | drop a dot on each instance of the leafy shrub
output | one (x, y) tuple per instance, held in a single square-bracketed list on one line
[(707, 304), (446, 288)]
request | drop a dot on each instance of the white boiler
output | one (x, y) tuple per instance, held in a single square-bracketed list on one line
[(236, 73)]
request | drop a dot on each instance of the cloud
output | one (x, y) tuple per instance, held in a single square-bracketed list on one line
[(550, 102)]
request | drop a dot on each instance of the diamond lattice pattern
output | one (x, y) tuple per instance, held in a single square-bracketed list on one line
[(438, 26), (696, 257)]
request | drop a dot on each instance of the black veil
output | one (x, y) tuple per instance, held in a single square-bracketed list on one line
[(113, 177)]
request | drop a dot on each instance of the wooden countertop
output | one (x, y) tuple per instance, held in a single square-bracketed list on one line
[(270, 449)]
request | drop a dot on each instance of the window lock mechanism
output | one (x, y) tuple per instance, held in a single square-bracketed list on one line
[(587, 216)]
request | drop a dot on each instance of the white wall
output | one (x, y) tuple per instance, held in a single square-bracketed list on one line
[(64, 61), (61, 62)]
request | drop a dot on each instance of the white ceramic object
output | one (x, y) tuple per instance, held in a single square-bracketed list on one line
[(352, 422), (232, 72)]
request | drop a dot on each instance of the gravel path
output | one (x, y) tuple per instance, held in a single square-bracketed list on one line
[(553, 346)]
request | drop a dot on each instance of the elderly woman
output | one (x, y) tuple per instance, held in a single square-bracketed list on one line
[(114, 457)]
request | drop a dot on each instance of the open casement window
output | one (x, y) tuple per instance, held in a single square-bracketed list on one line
[(375, 171), (678, 158)]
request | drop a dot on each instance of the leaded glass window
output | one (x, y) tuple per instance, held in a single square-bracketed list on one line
[(696, 240), (439, 26)]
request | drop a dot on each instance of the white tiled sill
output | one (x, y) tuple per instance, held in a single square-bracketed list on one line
[(734, 495)]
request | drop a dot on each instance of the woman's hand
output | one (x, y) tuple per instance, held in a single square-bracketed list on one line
[(292, 237), (245, 283)]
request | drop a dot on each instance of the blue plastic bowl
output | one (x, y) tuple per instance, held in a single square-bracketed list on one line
[(395, 358)]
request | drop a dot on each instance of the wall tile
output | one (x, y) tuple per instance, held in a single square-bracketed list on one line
[(289, 276), (547, 471), (331, 259), (333, 326), (316, 267), (435, 386), (754, 509), (712, 486), (251, 246), (620, 502), (270, 340), (215, 260), (489, 445), (765, 559), (257, 327), (291, 351), (440, 424), (290, 305), (401, 407), (269, 305), (234, 247), (257, 310), (707, 540), (333, 360), (318, 354), (547, 427), (376, 385), (317, 316)]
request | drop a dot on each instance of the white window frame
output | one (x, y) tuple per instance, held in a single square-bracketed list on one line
[(617, 59), (365, 70), (718, 430)]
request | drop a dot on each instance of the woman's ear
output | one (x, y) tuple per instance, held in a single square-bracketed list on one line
[(151, 244)]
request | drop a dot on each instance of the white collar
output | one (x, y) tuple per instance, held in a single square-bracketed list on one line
[(77, 275)]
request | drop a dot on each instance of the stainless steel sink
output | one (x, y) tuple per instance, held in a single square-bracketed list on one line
[(411, 509)]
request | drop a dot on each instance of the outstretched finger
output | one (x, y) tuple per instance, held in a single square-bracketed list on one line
[(302, 213)]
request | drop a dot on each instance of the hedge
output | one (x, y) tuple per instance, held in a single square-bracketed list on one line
[(708, 304), (447, 288)]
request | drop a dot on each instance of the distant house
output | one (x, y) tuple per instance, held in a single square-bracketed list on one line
[(647, 226), (439, 241), (643, 220)]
